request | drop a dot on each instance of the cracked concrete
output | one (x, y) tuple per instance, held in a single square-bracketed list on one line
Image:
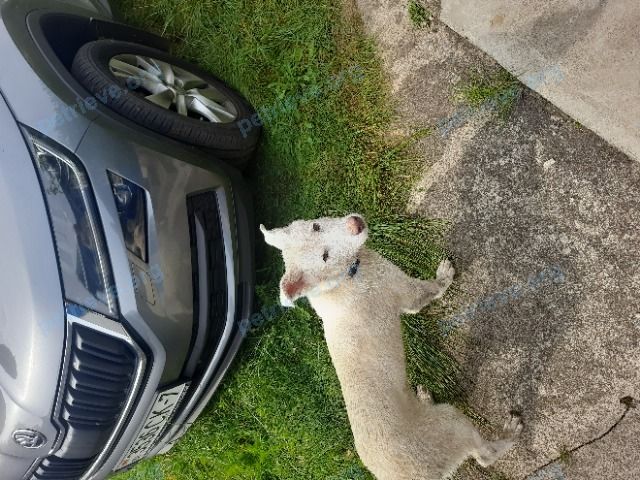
[(557, 467), (522, 195), (609, 458)]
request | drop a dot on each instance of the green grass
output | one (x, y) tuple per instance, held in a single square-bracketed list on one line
[(420, 17), (280, 413), (566, 456), (497, 91)]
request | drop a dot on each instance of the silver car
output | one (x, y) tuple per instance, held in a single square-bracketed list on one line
[(126, 267)]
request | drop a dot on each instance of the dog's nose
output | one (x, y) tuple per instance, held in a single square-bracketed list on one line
[(355, 224)]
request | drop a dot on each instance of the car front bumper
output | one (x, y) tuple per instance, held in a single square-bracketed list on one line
[(176, 294)]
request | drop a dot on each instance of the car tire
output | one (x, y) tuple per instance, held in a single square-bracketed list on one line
[(134, 81)]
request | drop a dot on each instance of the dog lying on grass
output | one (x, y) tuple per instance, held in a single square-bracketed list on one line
[(360, 295)]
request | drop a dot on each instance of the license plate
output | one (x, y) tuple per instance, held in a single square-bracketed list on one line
[(164, 406)]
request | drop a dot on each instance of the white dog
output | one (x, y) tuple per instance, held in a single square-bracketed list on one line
[(359, 296)]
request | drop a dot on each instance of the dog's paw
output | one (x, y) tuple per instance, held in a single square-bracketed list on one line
[(445, 273), (423, 394), (512, 427)]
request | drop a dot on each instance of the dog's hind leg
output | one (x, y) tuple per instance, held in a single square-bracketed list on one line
[(490, 451), (422, 292)]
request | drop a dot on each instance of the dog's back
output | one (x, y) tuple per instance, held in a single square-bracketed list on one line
[(397, 435)]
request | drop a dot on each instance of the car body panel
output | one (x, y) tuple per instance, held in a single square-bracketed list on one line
[(96, 7), (168, 171), (32, 321), (37, 95)]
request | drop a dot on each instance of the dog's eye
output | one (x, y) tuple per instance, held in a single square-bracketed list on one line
[(325, 256), (316, 227)]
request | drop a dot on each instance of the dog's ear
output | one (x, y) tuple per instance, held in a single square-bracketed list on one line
[(292, 287), (356, 224), (357, 230), (275, 237)]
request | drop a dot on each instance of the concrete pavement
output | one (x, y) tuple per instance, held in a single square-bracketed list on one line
[(533, 192)]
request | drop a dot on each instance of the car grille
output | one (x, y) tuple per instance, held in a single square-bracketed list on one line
[(209, 279), (99, 380), (100, 375), (54, 468)]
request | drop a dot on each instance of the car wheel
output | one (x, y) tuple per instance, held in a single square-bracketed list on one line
[(169, 96)]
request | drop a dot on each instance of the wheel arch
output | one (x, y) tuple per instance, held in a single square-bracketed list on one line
[(62, 34)]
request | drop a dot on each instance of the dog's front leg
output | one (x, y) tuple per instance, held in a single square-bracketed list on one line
[(422, 292)]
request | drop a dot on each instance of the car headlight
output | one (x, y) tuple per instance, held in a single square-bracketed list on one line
[(86, 273)]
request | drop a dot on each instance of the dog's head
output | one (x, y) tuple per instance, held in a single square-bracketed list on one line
[(318, 254)]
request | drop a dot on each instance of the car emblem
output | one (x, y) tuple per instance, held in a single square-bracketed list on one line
[(29, 438)]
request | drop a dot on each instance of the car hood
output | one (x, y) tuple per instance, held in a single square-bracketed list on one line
[(32, 321)]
